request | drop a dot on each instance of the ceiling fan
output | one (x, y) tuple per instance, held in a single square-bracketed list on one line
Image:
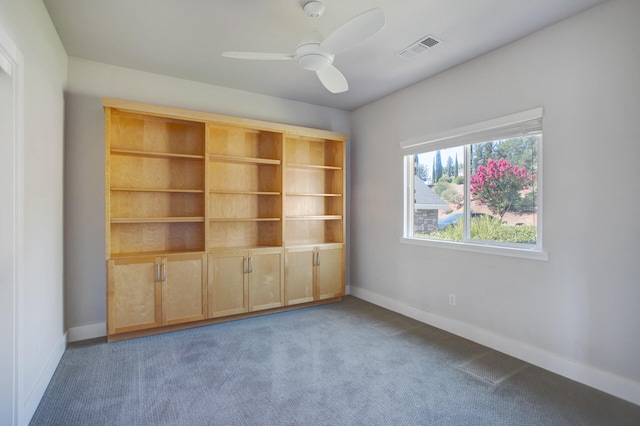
[(316, 53)]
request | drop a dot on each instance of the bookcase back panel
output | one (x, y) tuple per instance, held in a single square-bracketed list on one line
[(138, 238), (314, 181), (315, 152), (241, 142), (156, 204), (313, 206), (245, 234), (303, 232), (235, 177), (134, 172), (245, 206), (139, 132)]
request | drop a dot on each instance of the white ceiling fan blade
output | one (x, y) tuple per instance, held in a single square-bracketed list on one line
[(333, 79), (354, 31), (259, 56)]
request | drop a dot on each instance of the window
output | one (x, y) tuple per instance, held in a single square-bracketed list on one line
[(478, 187)]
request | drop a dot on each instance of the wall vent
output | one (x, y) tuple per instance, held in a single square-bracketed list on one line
[(419, 47)]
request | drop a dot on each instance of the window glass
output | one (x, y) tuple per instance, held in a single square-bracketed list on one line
[(482, 193)]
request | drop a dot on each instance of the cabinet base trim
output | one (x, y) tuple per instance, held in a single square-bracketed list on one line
[(184, 326)]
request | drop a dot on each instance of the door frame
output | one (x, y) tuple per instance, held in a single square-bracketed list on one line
[(12, 64)]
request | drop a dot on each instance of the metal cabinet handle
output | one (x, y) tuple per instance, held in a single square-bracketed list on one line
[(250, 265), (245, 265), (318, 258), (164, 272), (158, 272)]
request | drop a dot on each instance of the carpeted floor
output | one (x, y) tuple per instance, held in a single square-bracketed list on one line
[(348, 363)]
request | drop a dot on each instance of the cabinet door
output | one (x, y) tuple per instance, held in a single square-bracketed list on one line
[(228, 290), (265, 279), (298, 281), (329, 272), (184, 288), (134, 295)]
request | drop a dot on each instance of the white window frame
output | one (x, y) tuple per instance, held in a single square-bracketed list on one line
[(514, 125)]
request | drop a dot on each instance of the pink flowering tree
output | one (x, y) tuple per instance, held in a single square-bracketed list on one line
[(498, 185)]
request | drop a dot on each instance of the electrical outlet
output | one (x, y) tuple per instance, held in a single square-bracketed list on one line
[(452, 299)]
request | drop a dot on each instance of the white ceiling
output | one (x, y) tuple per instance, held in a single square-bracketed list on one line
[(185, 39)]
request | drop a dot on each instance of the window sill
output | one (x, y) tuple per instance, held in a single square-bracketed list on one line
[(532, 254)]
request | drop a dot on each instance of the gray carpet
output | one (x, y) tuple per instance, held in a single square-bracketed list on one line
[(348, 363)]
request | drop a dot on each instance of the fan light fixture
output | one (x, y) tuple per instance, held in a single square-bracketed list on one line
[(316, 53)]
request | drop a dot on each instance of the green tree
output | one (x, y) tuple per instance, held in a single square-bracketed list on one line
[(521, 152), (456, 169), (422, 171), (480, 153), (433, 172), (438, 166), (449, 170)]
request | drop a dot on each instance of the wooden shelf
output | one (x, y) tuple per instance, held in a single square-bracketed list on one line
[(298, 194), (242, 160), (248, 219), (156, 219), (179, 191), (242, 248), (150, 154), (222, 192), (155, 253), (312, 166), (318, 217)]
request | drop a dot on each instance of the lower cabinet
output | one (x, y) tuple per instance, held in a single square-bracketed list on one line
[(146, 292), (299, 272), (151, 291), (329, 272), (244, 281), (313, 273), (184, 290)]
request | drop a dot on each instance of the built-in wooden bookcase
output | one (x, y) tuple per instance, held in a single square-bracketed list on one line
[(210, 217), (315, 219), (155, 185), (245, 187), (315, 201)]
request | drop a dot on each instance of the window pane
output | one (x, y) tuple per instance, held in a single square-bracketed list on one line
[(503, 188), (439, 194)]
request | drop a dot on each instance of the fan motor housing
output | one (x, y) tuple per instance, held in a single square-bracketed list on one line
[(310, 55), (314, 61)]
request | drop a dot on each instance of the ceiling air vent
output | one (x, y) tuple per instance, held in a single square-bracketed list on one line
[(419, 47)]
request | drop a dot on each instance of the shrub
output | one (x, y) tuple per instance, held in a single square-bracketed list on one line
[(445, 178), (498, 185), (488, 228), (440, 187), (459, 180), (526, 204), (452, 196)]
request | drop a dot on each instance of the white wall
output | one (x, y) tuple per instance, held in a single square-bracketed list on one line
[(577, 313), (89, 82), (39, 310)]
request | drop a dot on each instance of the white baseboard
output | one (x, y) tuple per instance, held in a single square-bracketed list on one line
[(35, 396), (85, 332), (604, 381)]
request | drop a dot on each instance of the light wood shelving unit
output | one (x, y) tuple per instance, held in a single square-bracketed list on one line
[(211, 217)]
